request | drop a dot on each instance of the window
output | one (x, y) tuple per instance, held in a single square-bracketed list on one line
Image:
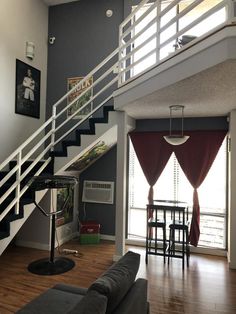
[(202, 27), (151, 60), (173, 185)]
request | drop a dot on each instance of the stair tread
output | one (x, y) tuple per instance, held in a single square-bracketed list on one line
[(87, 131), (4, 234), (25, 199)]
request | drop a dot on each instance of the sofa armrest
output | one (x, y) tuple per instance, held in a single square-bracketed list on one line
[(70, 289), (135, 301), (93, 302), (117, 280)]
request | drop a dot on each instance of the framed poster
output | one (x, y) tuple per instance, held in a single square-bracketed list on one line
[(27, 89), (71, 82), (90, 156), (67, 215)]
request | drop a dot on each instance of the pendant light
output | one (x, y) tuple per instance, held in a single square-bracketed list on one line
[(177, 138)]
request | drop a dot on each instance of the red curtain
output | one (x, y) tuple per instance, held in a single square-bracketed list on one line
[(153, 153), (195, 158)]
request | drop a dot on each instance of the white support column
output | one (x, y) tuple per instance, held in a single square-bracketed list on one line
[(232, 193), (121, 166)]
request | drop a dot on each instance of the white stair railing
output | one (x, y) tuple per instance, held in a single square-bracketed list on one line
[(153, 33), (38, 146), (118, 68)]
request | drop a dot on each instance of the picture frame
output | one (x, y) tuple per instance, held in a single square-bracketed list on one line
[(90, 156), (67, 215), (71, 82), (27, 90)]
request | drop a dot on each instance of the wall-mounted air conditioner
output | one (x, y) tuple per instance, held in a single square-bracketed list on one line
[(98, 192)]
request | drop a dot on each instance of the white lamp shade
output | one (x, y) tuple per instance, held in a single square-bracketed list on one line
[(176, 139)]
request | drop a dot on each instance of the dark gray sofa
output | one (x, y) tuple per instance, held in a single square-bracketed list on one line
[(115, 291)]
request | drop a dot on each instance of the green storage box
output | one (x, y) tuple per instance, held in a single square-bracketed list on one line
[(93, 238)]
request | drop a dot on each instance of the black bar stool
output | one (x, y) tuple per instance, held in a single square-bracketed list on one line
[(52, 265), (156, 219), (179, 234)]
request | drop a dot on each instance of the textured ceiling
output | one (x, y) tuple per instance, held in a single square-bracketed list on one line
[(209, 93)]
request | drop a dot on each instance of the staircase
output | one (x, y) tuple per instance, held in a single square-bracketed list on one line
[(100, 129), (62, 139)]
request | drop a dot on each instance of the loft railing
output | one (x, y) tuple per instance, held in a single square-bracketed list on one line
[(157, 30), (150, 34)]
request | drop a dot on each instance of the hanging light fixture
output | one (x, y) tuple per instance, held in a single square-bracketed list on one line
[(176, 139)]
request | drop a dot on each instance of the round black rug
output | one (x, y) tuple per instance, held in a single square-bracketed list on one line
[(45, 267)]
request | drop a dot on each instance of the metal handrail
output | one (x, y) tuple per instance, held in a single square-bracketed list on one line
[(195, 22), (128, 36)]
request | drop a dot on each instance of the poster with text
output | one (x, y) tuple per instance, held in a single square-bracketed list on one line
[(74, 109)]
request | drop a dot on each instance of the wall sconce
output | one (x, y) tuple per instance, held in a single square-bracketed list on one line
[(176, 139), (30, 47), (109, 13)]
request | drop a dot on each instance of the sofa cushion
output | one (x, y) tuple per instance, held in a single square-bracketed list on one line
[(92, 303), (52, 301), (118, 279), (135, 301)]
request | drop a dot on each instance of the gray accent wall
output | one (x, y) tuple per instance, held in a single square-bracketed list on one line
[(128, 4), (84, 36), (104, 169), (208, 123)]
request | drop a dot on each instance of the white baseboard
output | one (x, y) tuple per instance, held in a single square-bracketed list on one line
[(33, 245), (138, 242), (45, 246), (108, 237), (197, 250), (68, 237), (208, 251), (232, 265)]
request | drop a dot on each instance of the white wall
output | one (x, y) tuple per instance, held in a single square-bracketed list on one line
[(20, 21), (36, 231), (232, 193)]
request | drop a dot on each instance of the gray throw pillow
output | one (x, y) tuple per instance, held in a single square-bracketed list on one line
[(117, 280), (92, 303)]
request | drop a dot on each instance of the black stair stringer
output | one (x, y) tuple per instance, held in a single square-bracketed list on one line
[(11, 216), (27, 197), (87, 131)]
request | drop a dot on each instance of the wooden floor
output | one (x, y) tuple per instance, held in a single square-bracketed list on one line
[(208, 286)]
